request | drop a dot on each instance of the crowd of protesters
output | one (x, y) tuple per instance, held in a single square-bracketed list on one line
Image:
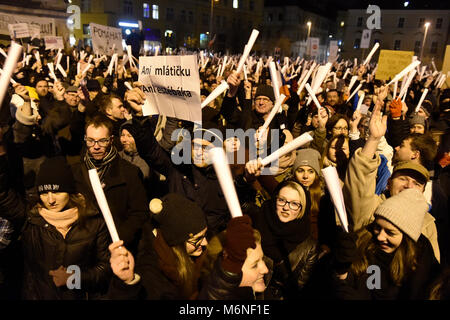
[(178, 238)]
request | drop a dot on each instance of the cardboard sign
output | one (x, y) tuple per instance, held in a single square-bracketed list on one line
[(104, 39), (18, 30), (172, 86), (54, 43), (35, 31), (365, 39), (391, 62), (47, 25)]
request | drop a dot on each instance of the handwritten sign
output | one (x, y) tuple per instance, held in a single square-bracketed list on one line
[(54, 43), (105, 39), (392, 62), (172, 86)]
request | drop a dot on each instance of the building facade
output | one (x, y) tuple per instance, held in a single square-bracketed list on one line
[(400, 30), (176, 23)]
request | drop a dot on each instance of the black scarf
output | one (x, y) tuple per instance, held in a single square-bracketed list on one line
[(279, 238), (101, 165)]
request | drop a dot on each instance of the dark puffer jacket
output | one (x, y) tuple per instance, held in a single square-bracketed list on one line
[(45, 249)]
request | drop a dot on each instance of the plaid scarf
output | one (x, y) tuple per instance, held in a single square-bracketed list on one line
[(101, 165)]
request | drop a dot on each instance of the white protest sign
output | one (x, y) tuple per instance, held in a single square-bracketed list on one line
[(52, 42), (105, 39), (333, 50), (172, 85), (19, 30), (314, 47), (365, 39)]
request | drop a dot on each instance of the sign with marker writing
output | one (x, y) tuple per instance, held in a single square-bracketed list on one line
[(392, 62), (105, 38), (54, 43), (172, 86)]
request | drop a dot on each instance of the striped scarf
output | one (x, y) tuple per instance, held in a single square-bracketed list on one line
[(101, 165)]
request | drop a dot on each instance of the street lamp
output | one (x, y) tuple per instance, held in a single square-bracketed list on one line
[(424, 38), (309, 28)]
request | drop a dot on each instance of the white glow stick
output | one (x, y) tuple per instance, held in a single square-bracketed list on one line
[(68, 63), (405, 71), (424, 94), (247, 50), (223, 66), (404, 91), (395, 90), (27, 60), (291, 146), (334, 186), (346, 73), (217, 92), (375, 47), (111, 63), (51, 69), (130, 55), (8, 68), (103, 204), (11, 80), (224, 176), (360, 101), (434, 66), (442, 81), (304, 81), (352, 82), (355, 62), (3, 53), (274, 78), (38, 57), (58, 57), (272, 114), (61, 69), (87, 68), (245, 73), (128, 85), (353, 93), (313, 96), (113, 49)]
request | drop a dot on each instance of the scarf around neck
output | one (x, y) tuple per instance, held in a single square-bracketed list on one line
[(62, 221), (101, 165)]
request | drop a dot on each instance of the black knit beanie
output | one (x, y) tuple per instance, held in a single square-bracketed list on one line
[(55, 175), (179, 218), (265, 90)]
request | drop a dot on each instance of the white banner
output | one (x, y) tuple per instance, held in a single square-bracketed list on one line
[(54, 43), (313, 47), (105, 38), (35, 31), (172, 86), (333, 50), (365, 38), (46, 25), (18, 30)]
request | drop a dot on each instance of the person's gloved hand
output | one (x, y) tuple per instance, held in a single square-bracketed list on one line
[(345, 252), (239, 237), (396, 108)]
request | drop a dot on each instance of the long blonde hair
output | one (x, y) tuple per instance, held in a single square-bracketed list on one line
[(403, 263)]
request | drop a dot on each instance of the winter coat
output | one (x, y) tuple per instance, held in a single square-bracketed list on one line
[(414, 287), (45, 249), (361, 200), (125, 194)]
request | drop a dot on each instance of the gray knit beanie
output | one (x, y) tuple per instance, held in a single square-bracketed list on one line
[(307, 157), (406, 211)]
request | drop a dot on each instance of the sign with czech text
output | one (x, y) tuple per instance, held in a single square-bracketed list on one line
[(104, 39)]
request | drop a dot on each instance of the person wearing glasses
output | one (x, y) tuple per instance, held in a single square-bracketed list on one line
[(284, 224), (122, 181), (172, 254)]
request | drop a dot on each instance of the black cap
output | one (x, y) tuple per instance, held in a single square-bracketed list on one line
[(265, 90), (55, 175)]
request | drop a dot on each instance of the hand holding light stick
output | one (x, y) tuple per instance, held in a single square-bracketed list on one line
[(272, 114), (61, 69), (395, 89), (406, 86), (334, 187), (274, 78), (247, 50), (103, 204), (294, 144), (217, 92), (353, 93), (313, 96), (424, 94), (223, 173), (405, 71), (352, 82), (360, 101), (375, 47)]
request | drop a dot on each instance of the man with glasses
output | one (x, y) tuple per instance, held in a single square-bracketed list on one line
[(122, 181)]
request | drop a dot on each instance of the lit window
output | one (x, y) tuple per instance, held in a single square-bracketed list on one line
[(235, 4), (146, 10), (155, 12)]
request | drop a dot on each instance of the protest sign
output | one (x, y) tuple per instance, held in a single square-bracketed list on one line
[(106, 39), (172, 85), (365, 39), (391, 62), (19, 30), (313, 47), (333, 50), (47, 25), (52, 42)]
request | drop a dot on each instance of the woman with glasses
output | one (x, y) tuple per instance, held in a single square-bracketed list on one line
[(171, 255), (284, 224)]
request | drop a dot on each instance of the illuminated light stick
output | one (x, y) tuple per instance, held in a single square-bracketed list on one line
[(375, 47), (125, 60), (61, 69), (334, 187), (353, 93), (424, 94), (217, 92), (116, 61), (245, 73), (103, 204), (247, 50), (111, 63), (355, 62), (11, 80), (274, 78), (441, 83), (8, 68), (395, 90), (352, 82), (38, 57), (224, 176), (68, 63), (405, 71), (319, 79), (434, 66), (128, 85), (3, 53), (51, 69), (313, 96), (156, 51), (268, 61), (291, 146), (272, 114), (130, 55), (438, 78), (223, 66), (305, 79), (360, 101), (406, 86)]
